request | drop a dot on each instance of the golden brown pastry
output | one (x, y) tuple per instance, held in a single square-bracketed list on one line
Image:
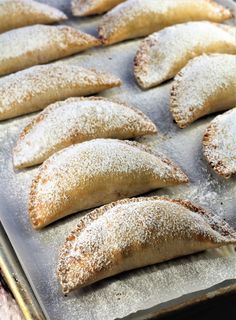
[(134, 233), (35, 88), (219, 144), (163, 54), (76, 120), (93, 173), (24, 47), (82, 8), (206, 85), (138, 18), (20, 13)]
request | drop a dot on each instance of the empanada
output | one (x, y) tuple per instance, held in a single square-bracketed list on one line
[(90, 7), (219, 144), (25, 47), (163, 54), (138, 18), (134, 233), (206, 85), (76, 120), (35, 88), (19, 13), (96, 172)]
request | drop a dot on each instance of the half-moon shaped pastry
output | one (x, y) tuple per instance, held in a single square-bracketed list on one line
[(163, 54), (138, 18), (134, 233), (35, 88), (24, 47), (206, 85), (20, 13), (76, 120), (82, 8), (96, 172), (219, 144)]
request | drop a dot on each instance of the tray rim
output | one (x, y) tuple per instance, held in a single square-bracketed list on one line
[(17, 281)]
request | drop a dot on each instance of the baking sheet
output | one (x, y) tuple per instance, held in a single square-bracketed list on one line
[(162, 285)]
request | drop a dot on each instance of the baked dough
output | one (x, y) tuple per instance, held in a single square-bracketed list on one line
[(24, 47), (206, 85), (82, 8), (96, 172), (20, 13), (134, 233), (76, 120), (163, 54), (219, 144), (35, 88), (138, 18)]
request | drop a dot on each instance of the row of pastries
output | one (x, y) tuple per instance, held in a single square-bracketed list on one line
[(82, 143), (130, 19)]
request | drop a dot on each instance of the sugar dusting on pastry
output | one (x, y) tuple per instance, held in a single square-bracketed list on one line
[(198, 82), (131, 11), (78, 169), (135, 221), (162, 54), (19, 13), (31, 10), (38, 83), (17, 42), (37, 44), (76, 120), (90, 7), (79, 163), (219, 144), (130, 225)]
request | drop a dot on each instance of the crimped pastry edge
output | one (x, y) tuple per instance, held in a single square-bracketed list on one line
[(174, 93), (140, 60), (220, 168), (174, 107)]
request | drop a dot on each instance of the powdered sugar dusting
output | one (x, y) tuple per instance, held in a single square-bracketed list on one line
[(88, 7), (128, 228), (156, 13), (33, 89), (161, 55), (198, 82), (28, 46), (112, 156), (219, 143), (137, 222), (76, 120), (85, 170), (28, 39), (17, 13)]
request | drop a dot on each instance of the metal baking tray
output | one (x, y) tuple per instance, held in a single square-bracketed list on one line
[(15, 278), (138, 294)]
